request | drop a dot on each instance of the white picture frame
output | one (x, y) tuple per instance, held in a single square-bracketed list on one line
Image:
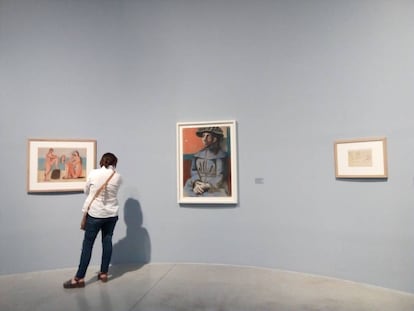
[(189, 150), (361, 158), (65, 170)]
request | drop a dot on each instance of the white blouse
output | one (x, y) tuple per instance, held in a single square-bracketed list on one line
[(105, 204)]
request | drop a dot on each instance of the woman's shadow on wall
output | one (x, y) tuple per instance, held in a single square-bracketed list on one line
[(134, 250)]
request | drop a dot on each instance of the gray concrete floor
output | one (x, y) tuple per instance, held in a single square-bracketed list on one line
[(193, 287)]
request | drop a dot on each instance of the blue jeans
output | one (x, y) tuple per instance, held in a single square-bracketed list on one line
[(93, 226)]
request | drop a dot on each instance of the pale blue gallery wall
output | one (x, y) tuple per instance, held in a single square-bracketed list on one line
[(296, 75)]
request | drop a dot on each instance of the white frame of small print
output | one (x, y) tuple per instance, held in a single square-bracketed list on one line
[(361, 158)]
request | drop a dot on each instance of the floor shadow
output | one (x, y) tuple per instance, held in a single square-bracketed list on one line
[(134, 250)]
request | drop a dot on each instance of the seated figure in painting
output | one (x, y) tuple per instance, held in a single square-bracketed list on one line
[(208, 166), (73, 166)]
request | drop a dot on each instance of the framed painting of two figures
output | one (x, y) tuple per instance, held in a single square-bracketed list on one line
[(59, 165)]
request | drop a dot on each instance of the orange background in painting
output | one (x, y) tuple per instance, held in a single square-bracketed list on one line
[(191, 142)]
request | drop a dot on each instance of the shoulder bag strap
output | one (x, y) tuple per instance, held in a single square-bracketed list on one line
[(99, 190)]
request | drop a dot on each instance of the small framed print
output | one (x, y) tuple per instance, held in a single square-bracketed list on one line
[(207, 162), (361, 158), (56, 165)]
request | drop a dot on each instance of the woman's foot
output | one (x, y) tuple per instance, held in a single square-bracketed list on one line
[(74, 283), (103, 276)]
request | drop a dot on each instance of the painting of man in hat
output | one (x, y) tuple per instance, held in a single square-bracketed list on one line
[(209, 169)]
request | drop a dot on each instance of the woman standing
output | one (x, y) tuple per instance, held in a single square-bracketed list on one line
[(102, 207)]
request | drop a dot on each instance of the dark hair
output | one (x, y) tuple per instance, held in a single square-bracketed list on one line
[(108, 159)]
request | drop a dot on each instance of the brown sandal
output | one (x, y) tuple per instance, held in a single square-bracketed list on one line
[(103, 277), (77, 284)]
